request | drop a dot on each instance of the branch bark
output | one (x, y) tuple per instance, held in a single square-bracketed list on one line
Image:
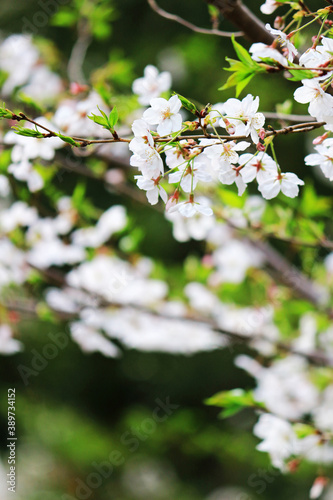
[(239, 15)]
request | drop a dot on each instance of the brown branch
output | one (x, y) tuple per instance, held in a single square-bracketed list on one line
[(187, 24), (239, 15)]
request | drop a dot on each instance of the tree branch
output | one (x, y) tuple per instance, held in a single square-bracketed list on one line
[(239, 15), (187, 24)]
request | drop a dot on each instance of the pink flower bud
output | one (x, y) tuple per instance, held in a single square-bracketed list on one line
[(262, 133), (77, 88), (207, 261), (260, 147), (320, 139), (230, 128), (279, 23), (318, 486), (172, 201)]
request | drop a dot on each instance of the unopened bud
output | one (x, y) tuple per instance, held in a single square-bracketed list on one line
[(192, 125), (76, 88), (172, 201), (320, 139), (293, 465), (230, 127), (260, 147), (207, 261), (279, 23), (262, 133), (318, 486)]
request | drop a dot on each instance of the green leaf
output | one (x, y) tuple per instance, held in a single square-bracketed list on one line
[(28, 132), (69, 140), (79, 194), (300, 74), (187, 104), (99, 120), (5, 113), (232, 401), (65, 18), (113, 117), (243, 72), (242, 53)]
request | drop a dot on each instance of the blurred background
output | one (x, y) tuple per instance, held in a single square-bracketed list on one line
[(86, 423)]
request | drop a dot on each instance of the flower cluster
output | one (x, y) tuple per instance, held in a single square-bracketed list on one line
[(205, 160)]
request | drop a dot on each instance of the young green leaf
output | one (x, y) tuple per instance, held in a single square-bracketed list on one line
[(28, 132), (113, 118), (69, 140), (187, 104)]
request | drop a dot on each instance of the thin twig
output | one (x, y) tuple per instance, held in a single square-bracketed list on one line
[(78, 54), (187, 24)]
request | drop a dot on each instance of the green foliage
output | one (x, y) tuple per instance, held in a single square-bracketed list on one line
[(68, 140), (96, 15), (5, 113), (300, 74), (243, 70), (107, 122), (233, 401), (187, 104), (28, 132)]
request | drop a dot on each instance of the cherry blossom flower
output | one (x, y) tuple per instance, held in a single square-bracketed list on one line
[(142, 135), (24, 171), (146, 159), (233, 260), (145, 332), (287, 183), (153, 189), (323, 158), (191, 173), (260, 166), (8, 345), (28, 148), (321, 103), (229, 174), (285, 42), (72, 119), (164, 114), (197, 227), (261, 51), (13, 266), (279, 439), (54, 252), (110, 222), (315, 57), (151, 85), (269, 6), (43, 85), (4, 186), (91, 341), (19, 214), (18, 57), (176, 156), (224, 151), (243, 115), (286, 388), (191, 208)]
